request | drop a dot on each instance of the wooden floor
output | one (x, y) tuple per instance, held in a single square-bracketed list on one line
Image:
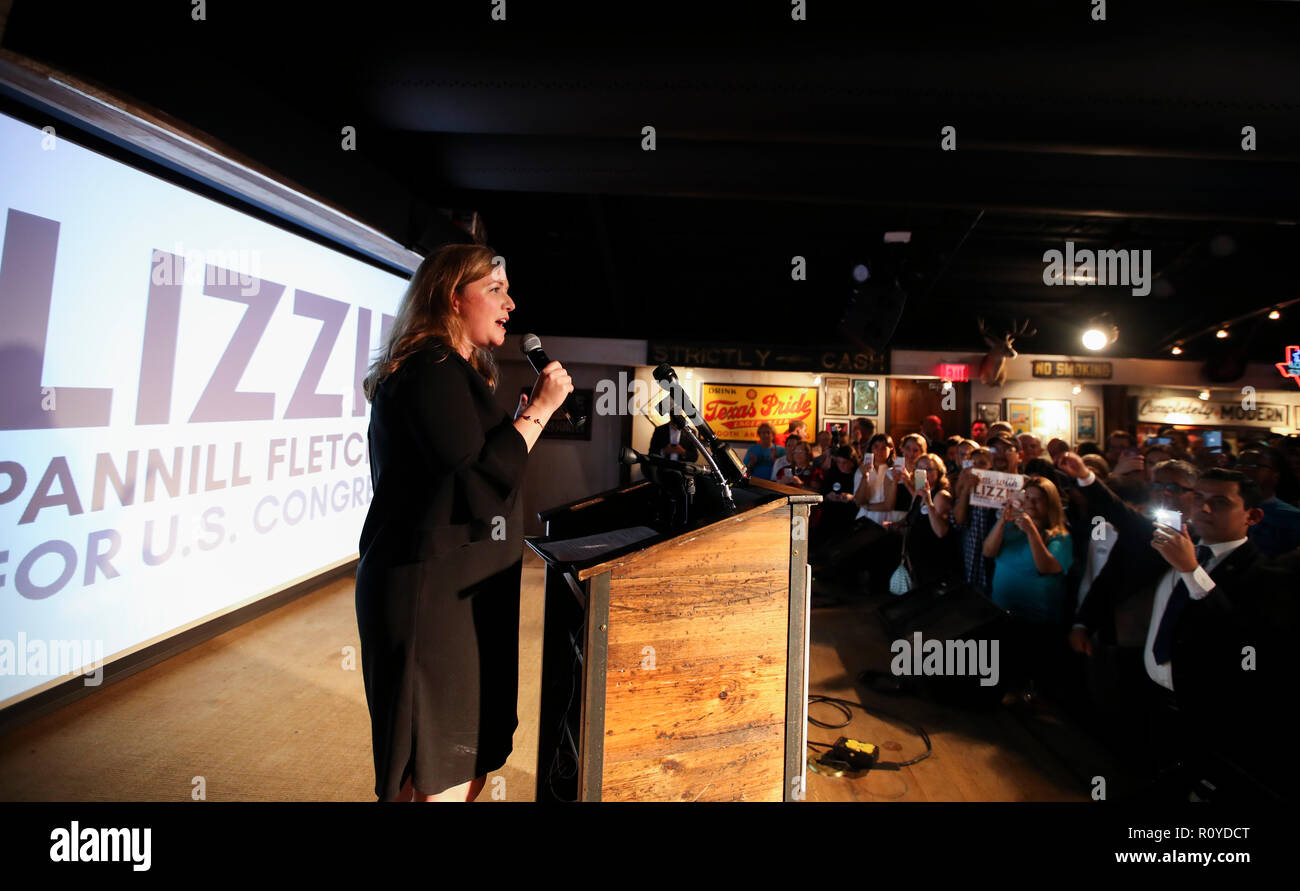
[(269, 711), (980, 754)]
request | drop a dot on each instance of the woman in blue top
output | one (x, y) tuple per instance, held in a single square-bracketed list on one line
[(1030, 547), (763, 454)]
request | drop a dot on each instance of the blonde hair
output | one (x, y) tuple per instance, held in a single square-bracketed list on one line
[(427, 313), (918, 439), (1055, 513), (937, 477)]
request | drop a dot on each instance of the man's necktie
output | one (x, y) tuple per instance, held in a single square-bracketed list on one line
[(1177, 600)]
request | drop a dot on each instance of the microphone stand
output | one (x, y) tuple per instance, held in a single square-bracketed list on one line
[(679, 421)]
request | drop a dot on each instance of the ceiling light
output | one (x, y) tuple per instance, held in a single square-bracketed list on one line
[(1275, 315), (1222, 333), (1204, 395), (1177, 350), (1076, 389), (1101, 332)]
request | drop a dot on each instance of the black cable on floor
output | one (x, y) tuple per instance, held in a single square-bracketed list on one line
[(846, 706)]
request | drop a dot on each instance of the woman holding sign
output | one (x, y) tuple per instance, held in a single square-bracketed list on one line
[(437, 593), (1031, 550)]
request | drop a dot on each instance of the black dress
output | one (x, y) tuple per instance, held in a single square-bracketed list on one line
[(437, 592), (933, 559)]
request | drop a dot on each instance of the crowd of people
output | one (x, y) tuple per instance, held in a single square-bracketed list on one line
[(1149, 584)]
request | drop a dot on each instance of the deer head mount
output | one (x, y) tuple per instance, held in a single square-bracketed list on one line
[(993, 368)]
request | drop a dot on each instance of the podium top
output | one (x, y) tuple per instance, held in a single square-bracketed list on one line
[(795, 494), (609, 547)]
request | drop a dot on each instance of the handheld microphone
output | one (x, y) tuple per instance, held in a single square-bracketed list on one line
[(531, 346)]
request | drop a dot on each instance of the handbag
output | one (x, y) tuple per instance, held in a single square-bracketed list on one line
[(901, 581)]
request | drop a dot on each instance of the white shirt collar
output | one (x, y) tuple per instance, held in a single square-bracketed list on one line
[(1223, 548)]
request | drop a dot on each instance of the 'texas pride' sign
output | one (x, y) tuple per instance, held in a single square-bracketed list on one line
[(735, 411)]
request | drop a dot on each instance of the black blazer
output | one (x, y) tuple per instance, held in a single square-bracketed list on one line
[(659, 439), (1206, 656), (1132, 568), (1232, 709), (445, 461)]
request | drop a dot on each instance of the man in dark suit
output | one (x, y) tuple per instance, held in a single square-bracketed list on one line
[(1118, 604), (1211, 607), (667, 442), (1113, 622), (1228, 645)]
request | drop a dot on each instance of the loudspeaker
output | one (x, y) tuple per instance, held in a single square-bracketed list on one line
[(946, 611), (872, 315)]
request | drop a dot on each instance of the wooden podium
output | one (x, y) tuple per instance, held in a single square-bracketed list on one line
[(674, 667)]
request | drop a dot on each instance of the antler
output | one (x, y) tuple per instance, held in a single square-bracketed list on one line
[(1024, 330)]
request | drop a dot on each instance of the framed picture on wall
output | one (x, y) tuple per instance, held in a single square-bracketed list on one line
[(1085, 424), (1051, 419), (837, 395), (1017, 415), (866, 397), (988, 412), (743, 407), (558, 428)]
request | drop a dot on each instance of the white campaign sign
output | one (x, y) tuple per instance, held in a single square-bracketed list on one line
[(993, 488), (182, 428)]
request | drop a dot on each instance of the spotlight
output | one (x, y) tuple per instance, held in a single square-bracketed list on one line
[(1222, 334), (1204, 395), (1275, 315), (1100, 333), (1177, 350)]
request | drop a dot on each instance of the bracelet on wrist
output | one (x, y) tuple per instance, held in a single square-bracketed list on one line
[(534, 420)]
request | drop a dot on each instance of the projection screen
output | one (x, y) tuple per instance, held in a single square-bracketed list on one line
[(182, 427)]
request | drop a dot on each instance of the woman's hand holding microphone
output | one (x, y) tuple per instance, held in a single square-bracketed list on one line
[(553, 385)]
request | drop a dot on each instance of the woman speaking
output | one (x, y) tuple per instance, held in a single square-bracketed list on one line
[(437, 592)]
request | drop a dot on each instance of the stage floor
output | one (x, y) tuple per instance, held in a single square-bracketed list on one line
[(267, 712)]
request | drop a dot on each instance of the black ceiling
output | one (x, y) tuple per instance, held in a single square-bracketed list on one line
[(775, 139)]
